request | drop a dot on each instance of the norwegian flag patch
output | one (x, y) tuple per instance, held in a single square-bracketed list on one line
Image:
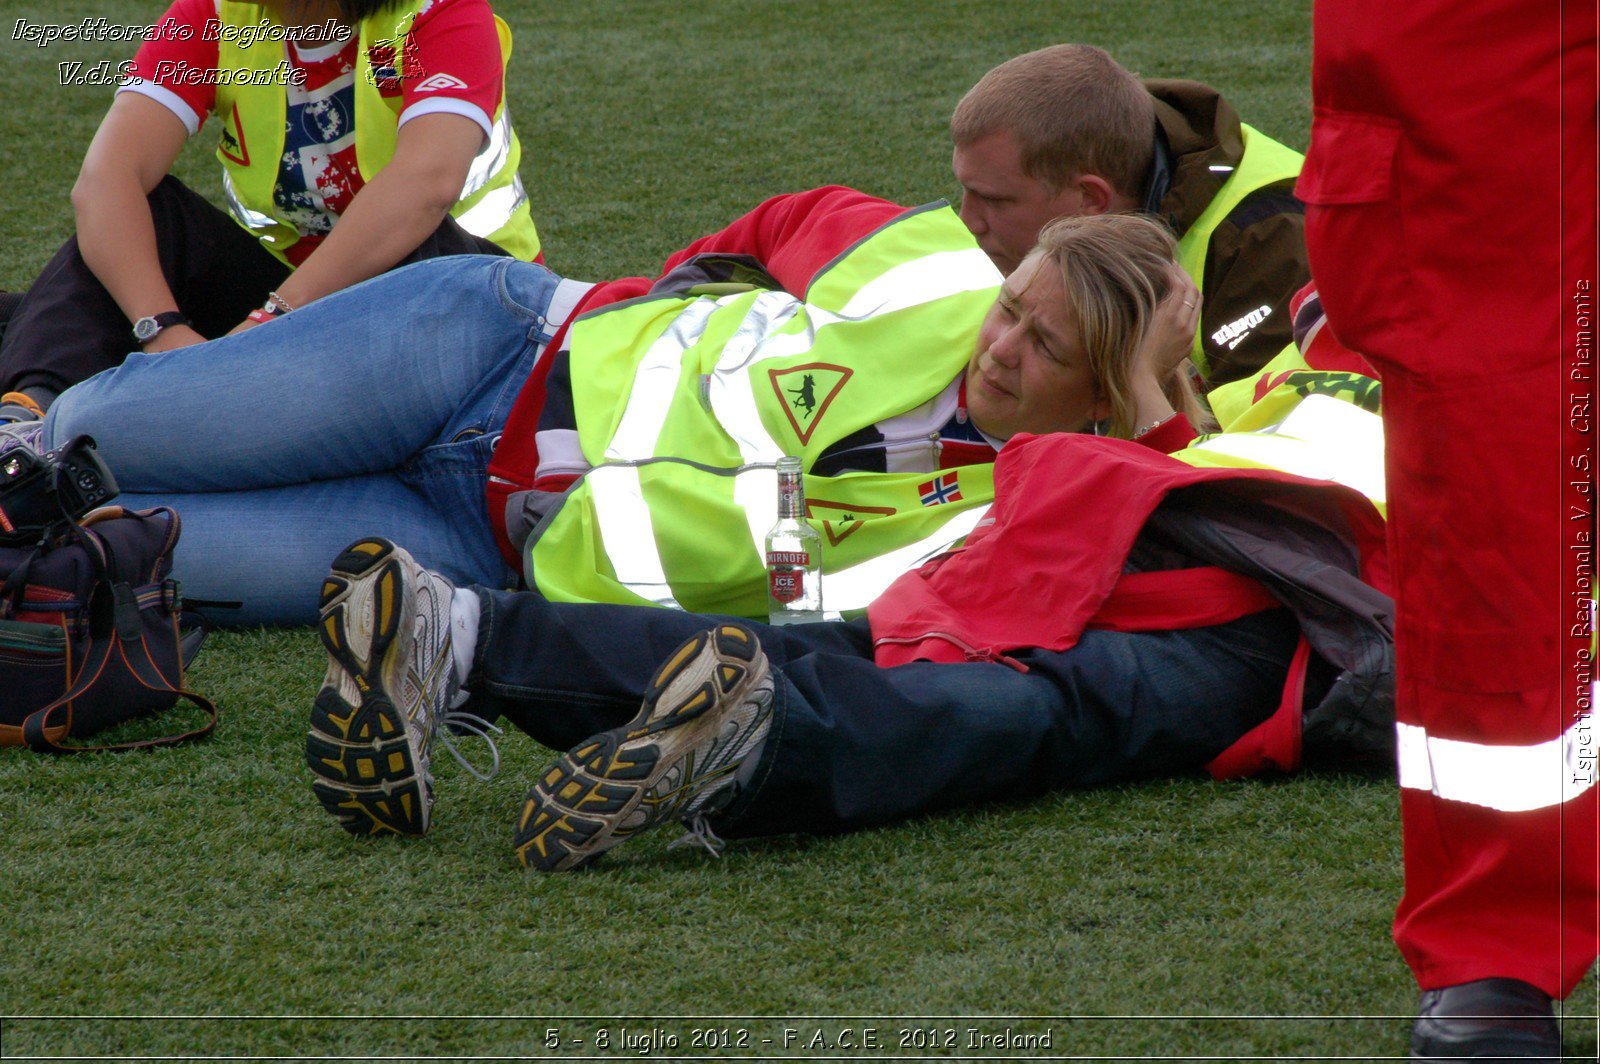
[(940, 489)]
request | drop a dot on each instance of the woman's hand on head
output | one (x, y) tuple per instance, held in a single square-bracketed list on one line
[(1170, 337)]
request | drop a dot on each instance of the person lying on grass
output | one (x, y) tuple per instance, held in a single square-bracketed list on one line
[(460, 404), (1117, 615)]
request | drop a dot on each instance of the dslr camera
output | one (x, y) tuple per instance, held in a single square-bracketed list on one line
[(41, 490)]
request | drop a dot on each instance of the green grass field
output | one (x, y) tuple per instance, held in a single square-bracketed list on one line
[(197, 902)]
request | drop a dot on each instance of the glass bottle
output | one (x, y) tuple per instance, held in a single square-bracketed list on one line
[(794, 554)]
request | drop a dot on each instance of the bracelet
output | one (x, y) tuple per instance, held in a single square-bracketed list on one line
[(1155, 425), (260, 316), (276, 304)]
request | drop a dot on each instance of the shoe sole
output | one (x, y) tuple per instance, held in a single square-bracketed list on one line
[(590, 800), (361, 754)]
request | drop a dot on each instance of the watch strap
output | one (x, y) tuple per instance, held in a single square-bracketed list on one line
[(161, 321)]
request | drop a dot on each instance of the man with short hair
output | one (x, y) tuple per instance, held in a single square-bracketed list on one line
[(1066, 130)]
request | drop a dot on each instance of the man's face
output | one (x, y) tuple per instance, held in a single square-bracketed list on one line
[(1029, 372), (1004, 207)]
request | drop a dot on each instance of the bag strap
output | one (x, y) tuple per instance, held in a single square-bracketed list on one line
[(124, 634)]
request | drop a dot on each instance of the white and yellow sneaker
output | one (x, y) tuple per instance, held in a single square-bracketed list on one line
[(704, 719), (391, 681)]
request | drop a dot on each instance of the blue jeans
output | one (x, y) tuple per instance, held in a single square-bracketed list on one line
[(371, 412), (855, 746)]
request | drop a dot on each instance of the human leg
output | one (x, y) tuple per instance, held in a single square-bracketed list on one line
[(67, 328), (1422, 144), (355, 383), (563, 671), (269, 548), (856, 746)]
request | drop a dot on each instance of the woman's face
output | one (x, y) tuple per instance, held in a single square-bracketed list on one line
[(1029, 372)]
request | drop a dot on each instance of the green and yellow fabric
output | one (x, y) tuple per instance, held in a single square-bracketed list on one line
[(253, 102), (1265, 162), (685, 401), (1323, 424)]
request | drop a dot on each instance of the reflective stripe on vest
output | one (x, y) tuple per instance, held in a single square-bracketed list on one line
[(1322, 438), (492, 202), (629, 534), (1510, 779), (696, 399), (1265, 162)]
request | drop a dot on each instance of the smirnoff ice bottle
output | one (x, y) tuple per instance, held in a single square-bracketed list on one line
[(794, 554)]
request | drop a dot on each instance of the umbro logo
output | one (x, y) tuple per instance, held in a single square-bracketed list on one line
[(439, 82)]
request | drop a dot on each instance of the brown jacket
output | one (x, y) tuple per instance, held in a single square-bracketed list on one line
[(1257, 256)]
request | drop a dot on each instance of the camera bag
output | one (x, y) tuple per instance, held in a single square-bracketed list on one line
[(89, 632)]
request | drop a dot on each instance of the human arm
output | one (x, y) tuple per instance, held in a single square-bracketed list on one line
[(792, 237), (453, 86), (1163, 354), (131, 152), (394, 212)]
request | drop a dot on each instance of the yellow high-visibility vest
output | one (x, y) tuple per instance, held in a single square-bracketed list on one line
[(253, 101), (1265, 162), (685, 402)]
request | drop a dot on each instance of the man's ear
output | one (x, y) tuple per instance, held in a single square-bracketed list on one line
[(1095, 194)]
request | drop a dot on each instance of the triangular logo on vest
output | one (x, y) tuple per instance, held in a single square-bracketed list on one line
[(233, 145), (805, 392), (839, 519)]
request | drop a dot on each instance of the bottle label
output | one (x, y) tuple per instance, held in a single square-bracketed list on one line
[(786, 585), (788, 557)]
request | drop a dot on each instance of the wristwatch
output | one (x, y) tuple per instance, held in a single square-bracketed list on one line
[(147, 329)]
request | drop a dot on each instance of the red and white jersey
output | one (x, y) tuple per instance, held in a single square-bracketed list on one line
[(453, 67)]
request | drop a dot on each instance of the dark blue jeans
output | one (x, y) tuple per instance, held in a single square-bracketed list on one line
[(855, 746)]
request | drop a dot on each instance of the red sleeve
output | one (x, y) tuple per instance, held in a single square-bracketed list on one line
[(453, 63), (174, 64), (1173, 434), (794, 236)]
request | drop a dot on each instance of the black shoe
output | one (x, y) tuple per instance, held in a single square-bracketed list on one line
[(1489, 1018)]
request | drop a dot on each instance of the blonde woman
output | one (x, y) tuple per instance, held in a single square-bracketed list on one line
[(1085, 634)]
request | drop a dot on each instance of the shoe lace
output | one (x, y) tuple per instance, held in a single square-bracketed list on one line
[(699, 834), (473, 725)]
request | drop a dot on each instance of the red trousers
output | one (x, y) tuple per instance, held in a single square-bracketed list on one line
[(1451, 186)]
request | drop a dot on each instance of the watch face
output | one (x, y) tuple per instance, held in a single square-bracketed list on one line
[(145, 329)]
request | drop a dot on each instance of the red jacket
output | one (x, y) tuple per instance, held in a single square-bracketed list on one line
[(1048, 563)]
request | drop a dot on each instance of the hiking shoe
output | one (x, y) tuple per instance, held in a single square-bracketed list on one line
[(704, 717), (385, 621)]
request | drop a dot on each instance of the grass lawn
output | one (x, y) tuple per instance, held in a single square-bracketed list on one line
[(197, 902)]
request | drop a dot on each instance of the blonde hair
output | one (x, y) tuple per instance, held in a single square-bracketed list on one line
[(1114, 272), (1073, 109)]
